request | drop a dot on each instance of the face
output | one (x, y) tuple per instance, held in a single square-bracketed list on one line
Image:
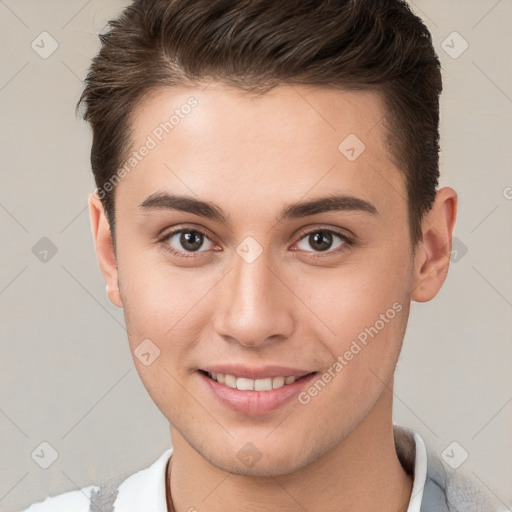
[(253, 284)]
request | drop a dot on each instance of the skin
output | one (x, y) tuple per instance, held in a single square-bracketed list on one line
[(251, 157)]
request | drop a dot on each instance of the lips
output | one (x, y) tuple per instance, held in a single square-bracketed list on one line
[(253, 395), (269, 371), (245, 384)]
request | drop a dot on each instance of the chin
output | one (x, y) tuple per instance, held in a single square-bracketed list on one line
[(265, 467), (271, 460)]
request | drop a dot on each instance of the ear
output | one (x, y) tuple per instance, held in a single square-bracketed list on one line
[(433, 252), (104, 248)]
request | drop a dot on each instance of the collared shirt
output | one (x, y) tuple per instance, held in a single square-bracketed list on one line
[(144, 491)]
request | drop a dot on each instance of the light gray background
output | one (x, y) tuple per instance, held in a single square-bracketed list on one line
[(66, 373)]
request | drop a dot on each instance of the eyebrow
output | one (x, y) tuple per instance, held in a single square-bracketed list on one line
[(165, 201)]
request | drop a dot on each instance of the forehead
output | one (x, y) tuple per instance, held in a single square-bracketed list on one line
[(294, 114), (211, 140)]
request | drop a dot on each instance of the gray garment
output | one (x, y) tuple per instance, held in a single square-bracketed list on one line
[(454, 492), (104, 498), (443, 491)]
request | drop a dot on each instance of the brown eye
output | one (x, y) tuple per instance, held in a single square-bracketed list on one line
[(191, 240), (320, 241), (185, 242), (323, 240)]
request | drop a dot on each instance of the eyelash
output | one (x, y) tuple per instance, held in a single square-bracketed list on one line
[(348, 242)]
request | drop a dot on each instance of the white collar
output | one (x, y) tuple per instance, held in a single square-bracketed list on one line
[(420, 474), (145, 490)]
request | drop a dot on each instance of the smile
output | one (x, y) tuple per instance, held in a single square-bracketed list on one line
[(254, 396), (244, 384)]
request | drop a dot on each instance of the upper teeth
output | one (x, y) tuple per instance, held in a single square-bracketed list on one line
[(251, 384)]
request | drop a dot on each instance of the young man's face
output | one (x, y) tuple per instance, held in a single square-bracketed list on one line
[(263, 289)]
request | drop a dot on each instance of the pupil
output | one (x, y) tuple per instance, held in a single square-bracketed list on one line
[(321, 240), (191, 240)]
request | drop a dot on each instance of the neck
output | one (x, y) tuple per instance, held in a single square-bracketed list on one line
[(361, 473)]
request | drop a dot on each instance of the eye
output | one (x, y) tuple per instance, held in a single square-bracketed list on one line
[(183, 241), (323, 240)]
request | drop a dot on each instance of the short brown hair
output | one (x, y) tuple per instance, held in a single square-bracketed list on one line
[(255, 45)]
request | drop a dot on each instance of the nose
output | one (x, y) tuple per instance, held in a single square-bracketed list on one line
[(255, 304)]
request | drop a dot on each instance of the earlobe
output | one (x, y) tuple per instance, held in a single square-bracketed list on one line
[(432, 258), (104, 248)]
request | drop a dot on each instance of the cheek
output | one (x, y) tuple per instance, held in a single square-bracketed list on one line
[(366, 310), (365, 305), (352, 296), (162, 308), (165, 305), (156, 293)]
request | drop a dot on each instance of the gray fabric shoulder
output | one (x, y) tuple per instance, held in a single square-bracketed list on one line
[(453, 491), (104, 498)]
